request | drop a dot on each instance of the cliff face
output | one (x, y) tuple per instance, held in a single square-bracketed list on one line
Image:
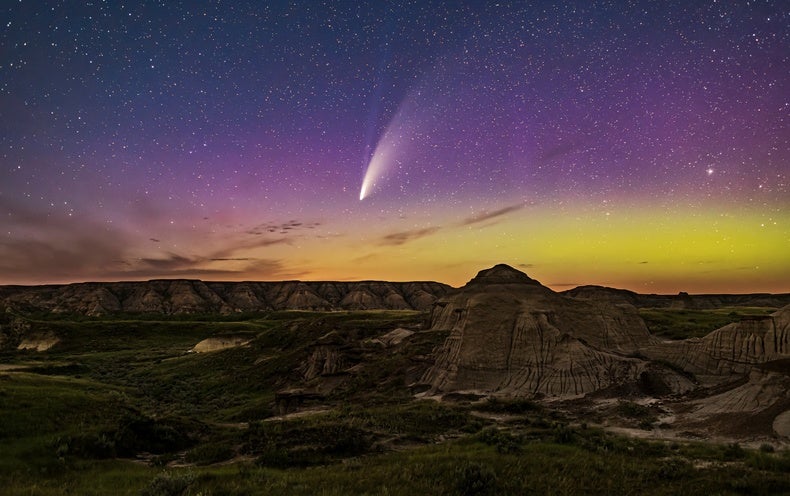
[(513, 336), (733, 349), (192, 296)]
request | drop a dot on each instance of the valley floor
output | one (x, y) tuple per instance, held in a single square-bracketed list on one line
[(318, 403)]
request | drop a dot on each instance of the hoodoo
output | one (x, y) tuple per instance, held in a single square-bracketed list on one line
[(511, 335)]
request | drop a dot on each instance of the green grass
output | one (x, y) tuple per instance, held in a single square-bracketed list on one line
[(35, 405), (682, 324), (114, 389), (465, 466)]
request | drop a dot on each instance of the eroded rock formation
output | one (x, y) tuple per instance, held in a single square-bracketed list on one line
[(192, 296), (734, 349), (511, 335)]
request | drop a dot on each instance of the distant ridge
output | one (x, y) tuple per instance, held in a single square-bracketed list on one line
[(680, 300), (190, 296)]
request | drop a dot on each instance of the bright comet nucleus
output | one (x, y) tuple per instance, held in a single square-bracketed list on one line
[(375, 170)]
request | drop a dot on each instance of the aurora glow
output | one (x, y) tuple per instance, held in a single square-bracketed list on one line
[(635, 144)]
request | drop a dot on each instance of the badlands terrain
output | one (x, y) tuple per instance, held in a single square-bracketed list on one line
[(502, 386)]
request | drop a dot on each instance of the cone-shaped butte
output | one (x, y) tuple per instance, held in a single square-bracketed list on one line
[(511, 335), (502, 274)]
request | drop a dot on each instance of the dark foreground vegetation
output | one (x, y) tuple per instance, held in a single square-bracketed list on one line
[(121, 407)]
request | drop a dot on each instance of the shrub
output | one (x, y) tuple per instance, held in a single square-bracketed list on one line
[(209, 453), (633, 410), (98, 446), (503, 441), (514, 406), (770, 462), (302, 443), (169, 484), (674, 468), (646, 424), (476, 479), (138, 433), (563, 434), (733, 452), (275, 457), (93, 445)]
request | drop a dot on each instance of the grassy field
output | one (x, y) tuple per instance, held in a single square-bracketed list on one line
[(682, 324), (120, 406)]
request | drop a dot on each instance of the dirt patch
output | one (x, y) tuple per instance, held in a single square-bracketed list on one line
[(301, 413), (6, 367)]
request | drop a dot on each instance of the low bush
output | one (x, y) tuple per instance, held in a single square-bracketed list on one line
[(674, 468), (206, 454), (633, 410), (733, 452), (138, 433), (772, 462), (169, 484), (514, 406), (302, 443), (97, 446), (503, 441), (476, 479), (563, 434)]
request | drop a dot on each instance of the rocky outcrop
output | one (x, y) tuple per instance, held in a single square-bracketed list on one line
[(13, 331), (393, 338), (762, 390), (220, 343), (734, 349), (755, 405), (510, 335), (38, 342), (193, 296), (329, 355)]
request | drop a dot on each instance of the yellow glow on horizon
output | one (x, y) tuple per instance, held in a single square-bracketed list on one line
[(704, 249), (694, 251)]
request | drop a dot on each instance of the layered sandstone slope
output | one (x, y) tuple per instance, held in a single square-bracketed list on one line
[(193, 296), (755, 405), (733, 349), (511, 335)]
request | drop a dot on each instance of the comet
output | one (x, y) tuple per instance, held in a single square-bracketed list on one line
[(414, 121), (377, 167), (390, 149)]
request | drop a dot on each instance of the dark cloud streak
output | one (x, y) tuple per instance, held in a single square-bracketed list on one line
[(484, 215), (402, 237)]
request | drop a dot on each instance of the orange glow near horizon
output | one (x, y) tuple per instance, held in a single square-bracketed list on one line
[(698, 251)]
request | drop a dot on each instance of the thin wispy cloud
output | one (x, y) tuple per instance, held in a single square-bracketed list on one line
[(402, 237), (486, 215)]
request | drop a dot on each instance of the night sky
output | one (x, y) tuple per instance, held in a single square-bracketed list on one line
[(634, 144)]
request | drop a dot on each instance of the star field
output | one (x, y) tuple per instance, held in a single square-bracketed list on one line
[(633, 144)]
